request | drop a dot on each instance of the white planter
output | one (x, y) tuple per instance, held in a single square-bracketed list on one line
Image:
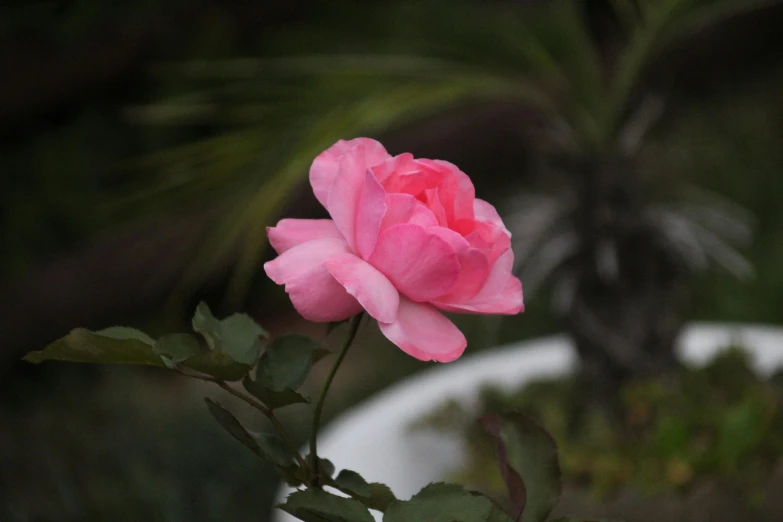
[(374, 438)]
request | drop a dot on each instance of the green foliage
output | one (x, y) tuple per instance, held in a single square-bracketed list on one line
[(316, 505), (266, 445), (238, 336), (441, 502), (233, 347), (528, 463), (719, 423), (373, 495), (283, 367), (111, 346), (287, 361)]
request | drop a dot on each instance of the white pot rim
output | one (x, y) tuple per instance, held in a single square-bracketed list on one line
[(375, 440)]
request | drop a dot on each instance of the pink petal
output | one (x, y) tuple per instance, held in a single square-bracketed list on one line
[(424, 333), (473, 267), (436, 206), (303, 258), (486, 212), (501, 293), (404, 208), (290, 232), (325, 166), (400, 174), (370, 212), (456, 192), (314, 292), (420, 264), (344, 196), (509, 301), (370, 287), (490, 239), (498, 276)]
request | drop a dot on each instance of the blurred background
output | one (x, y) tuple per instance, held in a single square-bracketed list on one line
[(145, 145)]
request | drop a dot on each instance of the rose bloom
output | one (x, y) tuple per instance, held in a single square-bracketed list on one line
[(407, 239)]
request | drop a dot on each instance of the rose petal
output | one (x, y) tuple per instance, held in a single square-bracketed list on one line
[(314, 292), (424, 333), (456, 192), (291, 232), (370, 287), (490, 239), (498, 276), (344, 196), (404, 208), (436, 206), (420, 264), (400, 174), (369, 214), (509, 301), (326, 165), (473, 267), (488, 213)]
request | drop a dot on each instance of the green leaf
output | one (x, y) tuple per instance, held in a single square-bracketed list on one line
[(124, 333), (381, 497), (241, 338), (265, 445), (351, 482), (232, 426), (440, 502), (273, 399), (177, 347), (498, 515), (528, 453), (581, 519), (373, 495), (116, 345), (237, 335), (273, 449), (287, 362), (316, 505), (207, 325), (217, 364)]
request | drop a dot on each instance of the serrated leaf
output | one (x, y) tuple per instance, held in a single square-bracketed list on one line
[(373, 495), (207, 325), (380, 498), (351, 482), (124, 333), (266, 445), (217, 364), (237, 335), (273, 449), (230, 423), (498, 515), (316, 505), (287, 362), (441, 502), (273, 399), (241, 338), (527, 451), (177, 347), (116, 345)]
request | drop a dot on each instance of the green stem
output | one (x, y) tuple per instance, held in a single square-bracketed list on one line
[(354, 327)]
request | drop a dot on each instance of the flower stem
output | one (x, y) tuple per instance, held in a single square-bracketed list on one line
[(353, 328)]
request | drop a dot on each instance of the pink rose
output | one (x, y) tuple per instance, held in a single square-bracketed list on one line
[(407, 238)]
